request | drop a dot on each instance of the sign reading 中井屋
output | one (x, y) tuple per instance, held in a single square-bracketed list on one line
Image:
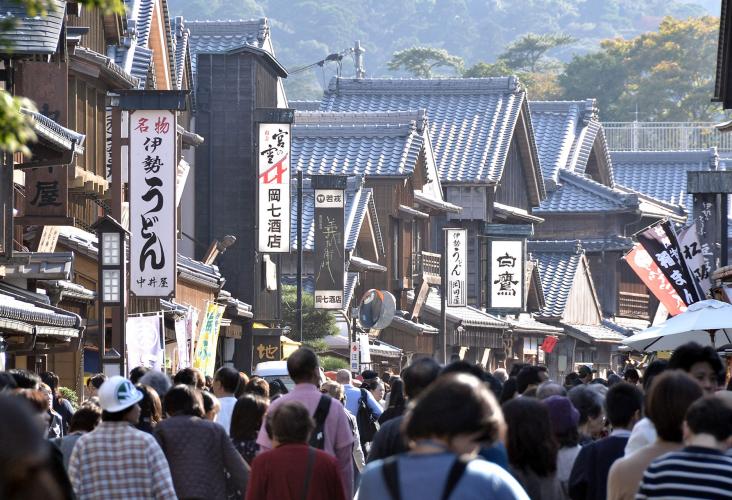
[(273, 188), (506, 281), (152, 203), (329, 248), (456, 249)]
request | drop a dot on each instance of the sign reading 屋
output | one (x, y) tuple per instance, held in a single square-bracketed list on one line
[(273, 188), (152, 154)]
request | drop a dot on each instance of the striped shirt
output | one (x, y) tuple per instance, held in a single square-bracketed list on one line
[(693, 472)]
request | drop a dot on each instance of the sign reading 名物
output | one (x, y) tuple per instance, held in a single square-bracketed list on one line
[(273, 188), (506, 279), (456, 270), (329, 248), (642, 264), (152, 203)]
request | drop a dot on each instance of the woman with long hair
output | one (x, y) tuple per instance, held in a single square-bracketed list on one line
[(246, 420), (532, 448), (397, 401), (151, 409)]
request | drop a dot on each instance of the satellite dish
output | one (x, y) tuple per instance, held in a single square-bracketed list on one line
[(376, 310)]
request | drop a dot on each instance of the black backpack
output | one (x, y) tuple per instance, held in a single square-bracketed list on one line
[(390, 472), (317, 438), (366, 420)]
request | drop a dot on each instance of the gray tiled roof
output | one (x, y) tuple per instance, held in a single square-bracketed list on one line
[(662, 175), (577, 193), (355, 212), (566, 132), (134, 55), (558, 262), (51, 131), (594, 333), (468, 316), (607, 244), (32, 35), (471, 120), (304, 105), (182, 36), (211, 37), (367, 144)]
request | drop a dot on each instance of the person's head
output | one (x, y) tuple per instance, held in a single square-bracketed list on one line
[(51, 380), (564, 419), (369, 375), (190, 376), (377, 389), (418, 376), (86, 418), (624, 403), (25, 379), (670, 396), (458, 410), (302, 366), (589, 403), (515, 369), (548, 389), (243, 383), (93, 385), (655, 368), (509, 390), (572, 379), (702, 363), (396, 395), (530, 443), (258, 386), (151, 409), (46, 390), (7, 382), (226, 381), (631, 376), (708, 423), (585, 374), (211, 405), (183, 399), (529, 377), (334, 390), (158, 381), (247, 417), (613, 379), (501, 374), (289, 423), (137, 372), (276, 389), (343, 376), (120, 400)]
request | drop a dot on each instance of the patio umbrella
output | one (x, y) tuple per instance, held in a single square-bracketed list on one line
[(708, 322)]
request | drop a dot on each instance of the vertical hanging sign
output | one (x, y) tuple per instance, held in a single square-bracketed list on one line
[(646, 269), (273, 188), (506, 275), (152, 203), (457, 267), (329, 248)]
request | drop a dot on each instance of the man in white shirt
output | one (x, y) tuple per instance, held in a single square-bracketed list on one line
[(225, 384)]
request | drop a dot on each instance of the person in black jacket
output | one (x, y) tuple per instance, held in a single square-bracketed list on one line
[(588, 480)]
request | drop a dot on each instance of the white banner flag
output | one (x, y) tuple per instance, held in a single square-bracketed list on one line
[(693, 254), (143, 341), (182, 343)]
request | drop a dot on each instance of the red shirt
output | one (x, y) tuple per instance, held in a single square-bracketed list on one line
[(279, 474)]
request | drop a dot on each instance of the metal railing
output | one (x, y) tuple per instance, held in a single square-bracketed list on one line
[(665, 136)]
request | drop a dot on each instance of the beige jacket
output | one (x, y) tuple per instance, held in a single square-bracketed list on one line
[(626, 473)]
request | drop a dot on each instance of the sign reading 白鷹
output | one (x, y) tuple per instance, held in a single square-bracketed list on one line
[(506, 278), (329, 248), (273, 188), (456, 250), (152, 203)]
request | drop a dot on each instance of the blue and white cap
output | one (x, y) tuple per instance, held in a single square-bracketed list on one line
[(117, 394)]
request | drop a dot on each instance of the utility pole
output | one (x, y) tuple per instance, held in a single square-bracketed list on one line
[(299, 253)]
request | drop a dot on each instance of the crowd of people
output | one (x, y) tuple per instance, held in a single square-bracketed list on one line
[(430, 432)]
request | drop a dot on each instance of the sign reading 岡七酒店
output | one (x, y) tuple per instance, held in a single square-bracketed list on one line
[(152, 154), (456, 241), (506, 277), (273, 188), (329, 248)]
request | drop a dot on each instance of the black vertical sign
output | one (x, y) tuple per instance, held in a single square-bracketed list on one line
[(329, 248), (7, 198), (707, 216), (662, 245)]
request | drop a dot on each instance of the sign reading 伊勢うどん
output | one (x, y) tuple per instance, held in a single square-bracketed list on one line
[(456, 248)]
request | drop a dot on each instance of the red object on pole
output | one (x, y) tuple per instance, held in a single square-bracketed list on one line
[(549, 343)]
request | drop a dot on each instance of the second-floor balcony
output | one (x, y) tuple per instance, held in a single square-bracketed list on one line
[(665, 136), (426, 268)]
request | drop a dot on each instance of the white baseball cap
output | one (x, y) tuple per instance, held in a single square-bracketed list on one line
[(117, 394)]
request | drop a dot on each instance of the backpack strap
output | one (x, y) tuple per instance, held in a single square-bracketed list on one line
[(364, 397), (308, 473), (390, 471), (453, 478), (321, 412)]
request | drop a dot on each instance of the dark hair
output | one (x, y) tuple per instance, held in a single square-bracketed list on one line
[(86, 418), (190, 376), (97, 380), (463, 367), (654, 369), (258, 386), (613, 379), (509, 390), (569, 438), (247, 417), (151, 409), (290, 422), (302, 365), (671, 395), (631, 374), (157, 380), (243, 383), (587, 401), (183, 399), (419, 375), (515, 369), (710, 415), (455, 404), (229, 378), (137, 372), (25, 379), (621, 402), (51, 380), (37, 399), (530, 443), (687, 355), (396, 396), (208, 401), (7, 381), (572, 379), (529, 375), (548, 389), (276, 389), (116, 416)]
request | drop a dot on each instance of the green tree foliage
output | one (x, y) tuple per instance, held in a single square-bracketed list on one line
[(331, 363), (421, 61), (528, 51), (667, 74), (317, 323)]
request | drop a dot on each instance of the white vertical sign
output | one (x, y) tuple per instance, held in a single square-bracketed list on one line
[(506, 282), (143, 342), (153, 169), (456, 252), (273, 188), (355, 366), (693, 254)]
